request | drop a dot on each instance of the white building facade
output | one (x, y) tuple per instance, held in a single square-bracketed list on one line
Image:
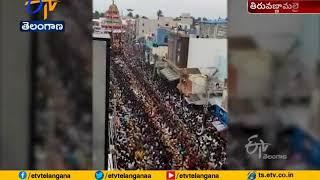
[(146, 27), (213, 29)]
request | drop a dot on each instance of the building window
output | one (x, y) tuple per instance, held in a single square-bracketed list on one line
[(142, 24), (166, 39), (167, 24), (142, 31)]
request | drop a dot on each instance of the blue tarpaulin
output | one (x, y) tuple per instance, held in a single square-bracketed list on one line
[(220, 113)]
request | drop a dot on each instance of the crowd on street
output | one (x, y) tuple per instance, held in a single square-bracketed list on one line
[(155, 128)]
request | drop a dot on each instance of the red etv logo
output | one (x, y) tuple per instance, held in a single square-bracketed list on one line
[(171, 175)]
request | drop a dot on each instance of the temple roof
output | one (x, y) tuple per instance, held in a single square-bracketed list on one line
[(113, 7), (112, 18)]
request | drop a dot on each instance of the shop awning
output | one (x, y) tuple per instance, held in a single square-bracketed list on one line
[(195, 99), (170, 74), (198, 99)]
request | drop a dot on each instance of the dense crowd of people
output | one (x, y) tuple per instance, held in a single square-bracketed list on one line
[(138, 143), (154, 127)]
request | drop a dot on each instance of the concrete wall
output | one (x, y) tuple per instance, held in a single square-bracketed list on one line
[(186, 20), (14, 87), (178, 50), (145, 27), (162, 36), (161, 51), (167, 22), (204, 53), (182, 52), (310, 56), (172, 46), (185, 23), (222, 30), (253, 74), (310, 44), (213, 30), (199, 84), (99, 99), (149, 26)]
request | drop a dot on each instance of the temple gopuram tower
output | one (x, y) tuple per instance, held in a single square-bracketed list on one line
[(113, 25), (113, 21)]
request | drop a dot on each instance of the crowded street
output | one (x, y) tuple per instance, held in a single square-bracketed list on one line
[(154, 127)]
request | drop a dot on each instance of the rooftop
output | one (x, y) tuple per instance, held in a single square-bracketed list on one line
[(214, 21), (102, 36)]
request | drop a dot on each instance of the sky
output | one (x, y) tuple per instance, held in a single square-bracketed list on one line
[(198, 8)]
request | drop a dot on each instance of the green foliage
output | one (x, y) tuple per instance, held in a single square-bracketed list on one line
[(130, 14)]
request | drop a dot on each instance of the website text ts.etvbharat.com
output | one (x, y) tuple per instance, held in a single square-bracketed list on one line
[(197, 176)]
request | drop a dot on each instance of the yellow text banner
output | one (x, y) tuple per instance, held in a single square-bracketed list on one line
[(159, 175)]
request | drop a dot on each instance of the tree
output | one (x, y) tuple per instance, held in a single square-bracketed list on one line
[(199, 19), (204, 19), (144, 17), (159, 14), (130, 14), (96, 15), (136, 16)]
